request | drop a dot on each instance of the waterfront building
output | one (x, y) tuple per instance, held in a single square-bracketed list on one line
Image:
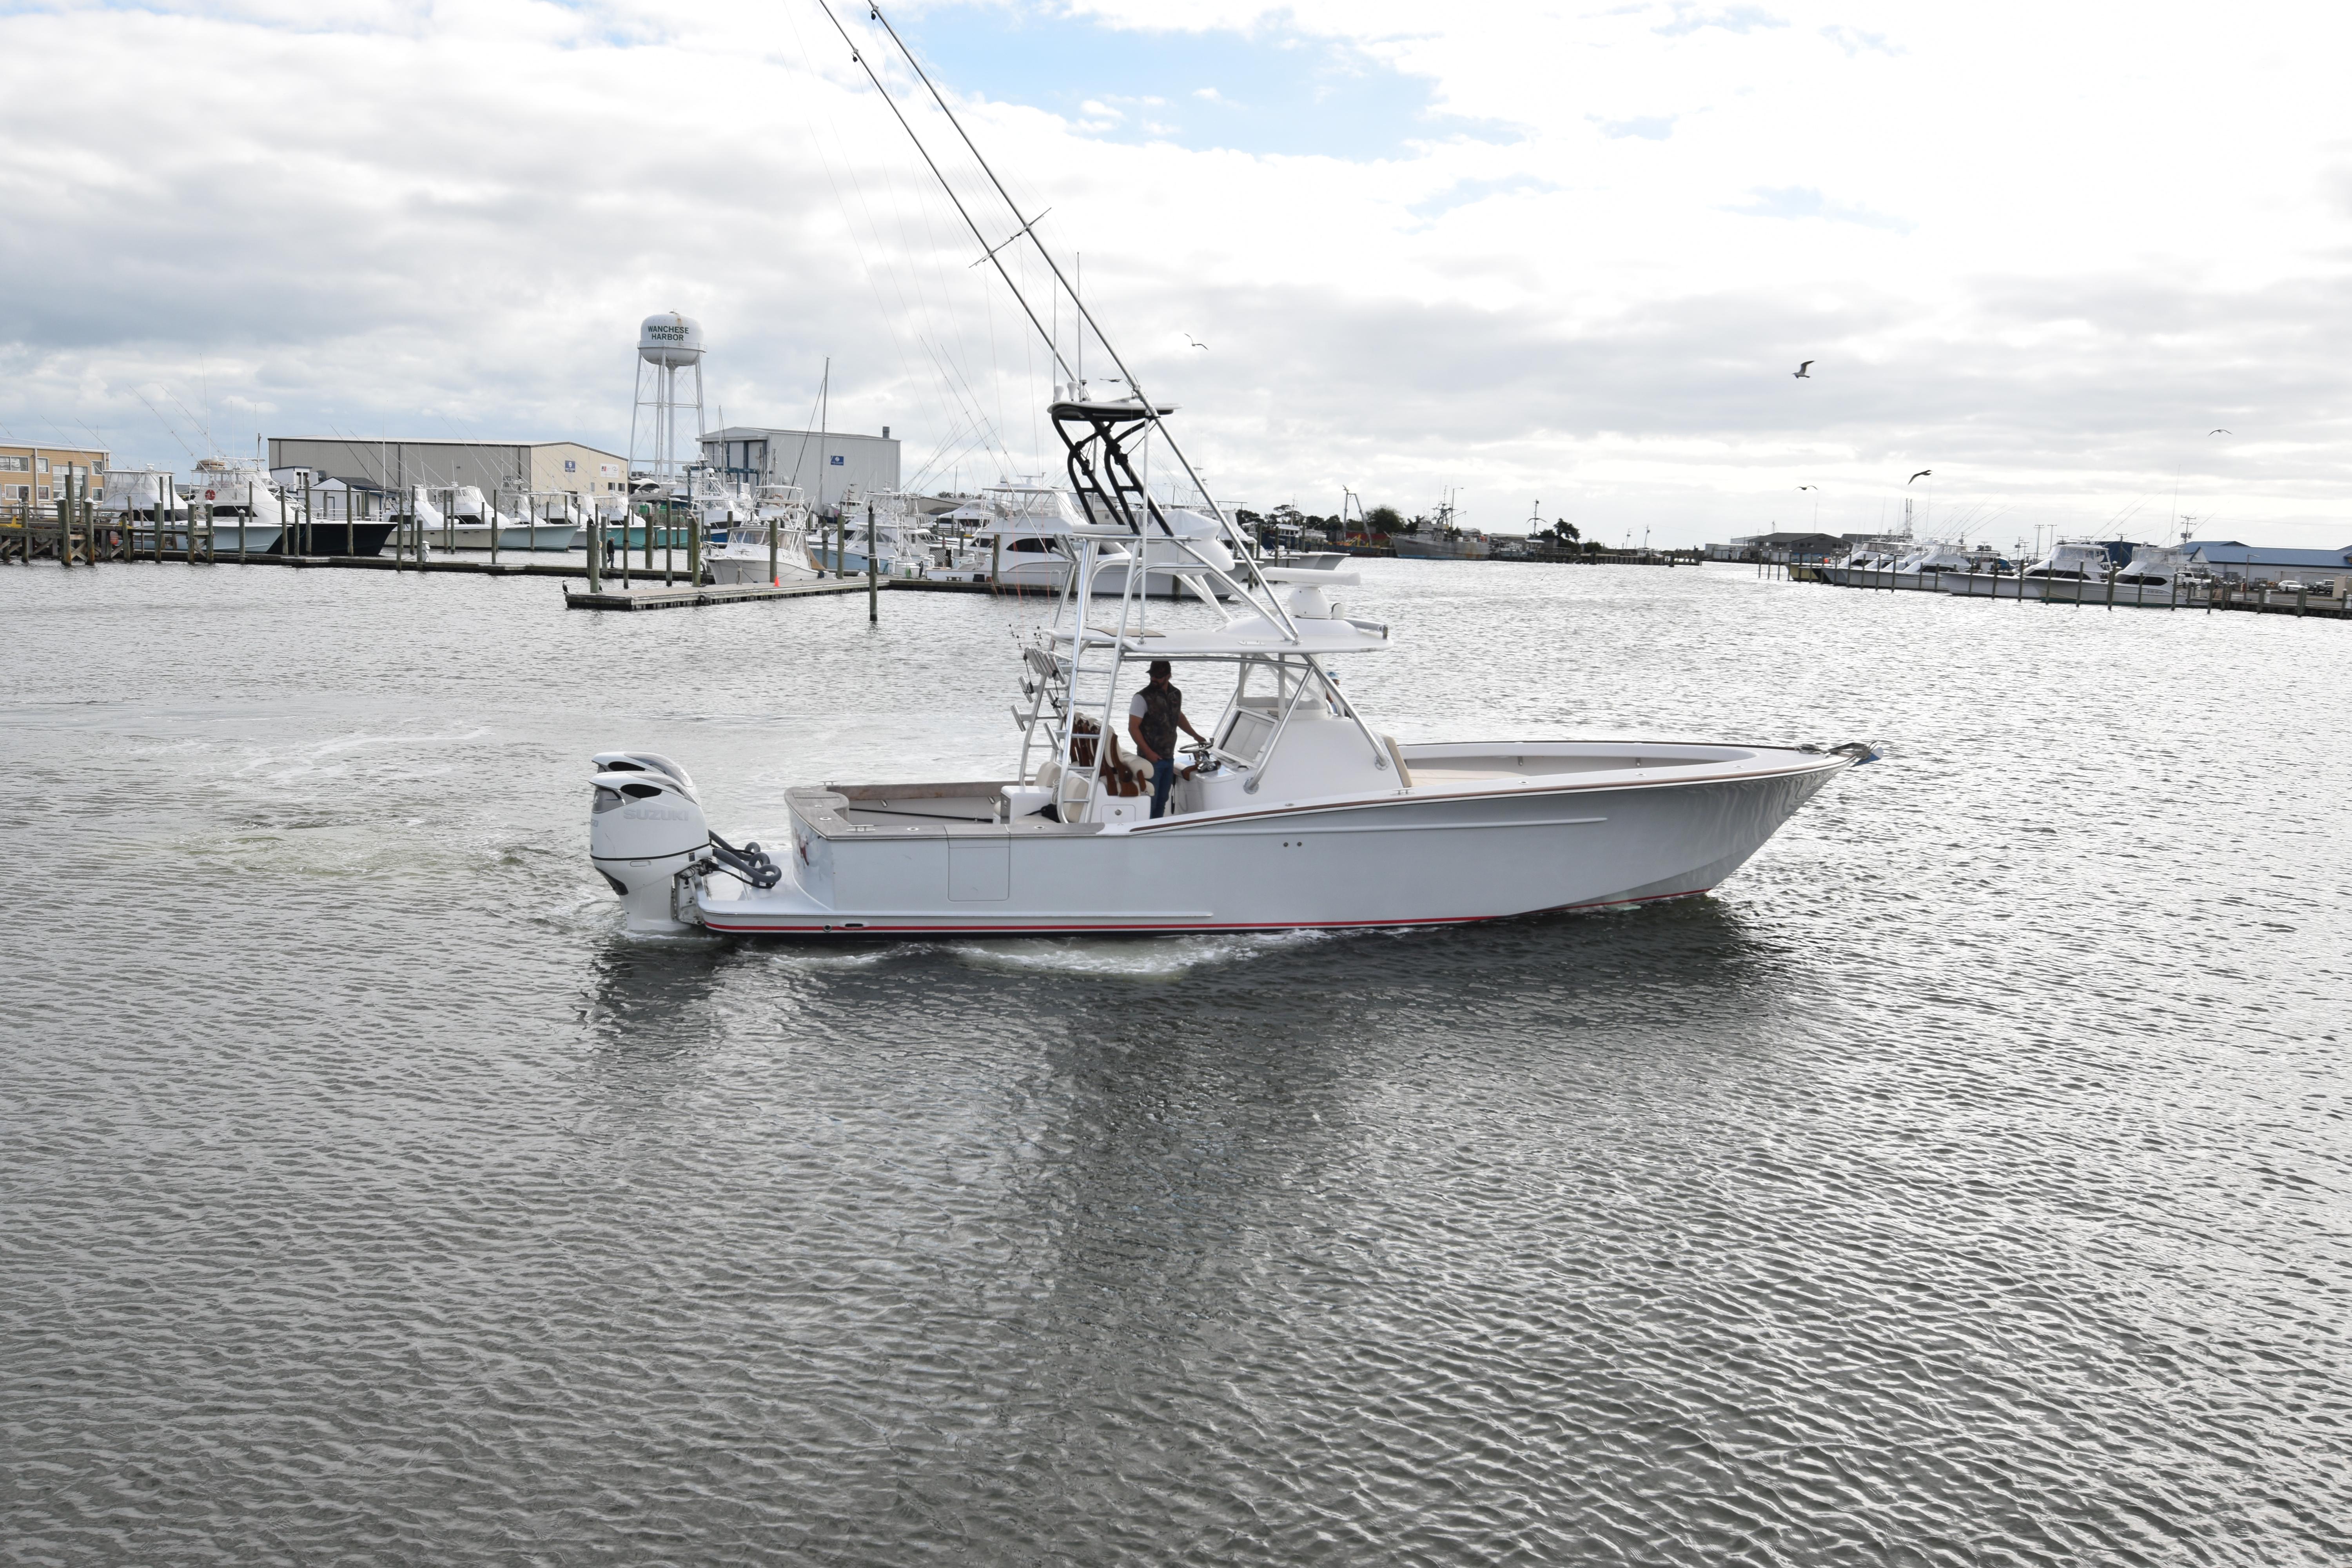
[(491, 466), (31, 476), (823, 464), (2239, 563), (1779, 547)]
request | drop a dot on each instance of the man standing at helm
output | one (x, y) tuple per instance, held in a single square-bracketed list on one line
[(1152, 720)]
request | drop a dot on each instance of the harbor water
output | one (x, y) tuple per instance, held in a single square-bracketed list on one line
[(1967, 1182)]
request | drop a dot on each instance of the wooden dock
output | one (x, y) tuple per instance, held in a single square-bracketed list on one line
[(687, 596)]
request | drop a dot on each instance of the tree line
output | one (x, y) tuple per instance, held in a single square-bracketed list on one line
[(1381, 520)]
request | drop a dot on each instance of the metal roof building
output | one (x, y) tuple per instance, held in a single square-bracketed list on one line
[(2228, 557), (824, 464), (2244, 563), (388, 464)]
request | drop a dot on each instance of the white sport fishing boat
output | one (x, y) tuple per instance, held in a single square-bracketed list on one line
[(1022, 539), (2076, 572), (141, 495), (248, 510), (764, 543), (1920, 567), (1298, 812), (470, 518), (890, 521)]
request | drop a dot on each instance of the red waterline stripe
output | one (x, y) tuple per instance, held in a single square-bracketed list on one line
[(865, 929)]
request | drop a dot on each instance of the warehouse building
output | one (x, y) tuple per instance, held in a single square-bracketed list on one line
[(824, 464), (489, 465)]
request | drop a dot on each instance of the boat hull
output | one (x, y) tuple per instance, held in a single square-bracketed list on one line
[(742, 569), (1015, 574), (1881, 577), (831, 561), (223, 537), (1415, 548), (2070, 591), (364, 539), (1432, 854), (537, 536)]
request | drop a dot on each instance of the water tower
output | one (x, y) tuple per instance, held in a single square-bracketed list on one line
[(668, 343)]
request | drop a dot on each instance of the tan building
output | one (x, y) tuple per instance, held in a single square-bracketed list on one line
[(32, 476), (489, 465)]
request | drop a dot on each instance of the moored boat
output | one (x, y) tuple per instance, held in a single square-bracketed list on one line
[(765, 543), (246, 512), (2079, 572), (472, 520)]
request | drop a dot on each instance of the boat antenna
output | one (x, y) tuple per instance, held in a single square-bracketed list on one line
[(1086, 317)]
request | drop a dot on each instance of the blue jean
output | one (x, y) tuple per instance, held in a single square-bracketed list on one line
[(1163, 779)]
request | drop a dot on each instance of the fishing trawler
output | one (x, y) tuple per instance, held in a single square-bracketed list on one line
[(1443, 540), (1298, 811)]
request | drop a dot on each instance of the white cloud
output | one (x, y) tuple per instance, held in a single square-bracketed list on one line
[(2044, 249)]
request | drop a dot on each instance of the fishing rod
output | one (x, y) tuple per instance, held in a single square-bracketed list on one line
[(858, 55)]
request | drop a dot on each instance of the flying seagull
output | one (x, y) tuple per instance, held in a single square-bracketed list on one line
[(1196, 343), (1805, 371), (1809, 487), (1920, 475), (2217, 432)]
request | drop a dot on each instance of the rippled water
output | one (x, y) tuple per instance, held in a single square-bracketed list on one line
[(1967, 1183)]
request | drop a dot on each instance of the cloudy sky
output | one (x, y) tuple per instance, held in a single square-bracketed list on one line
[(1557, 253)]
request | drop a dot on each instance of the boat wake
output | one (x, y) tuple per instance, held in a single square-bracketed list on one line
[(1130, 957)]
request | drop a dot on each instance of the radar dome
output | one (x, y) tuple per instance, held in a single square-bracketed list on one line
[(670, 340)]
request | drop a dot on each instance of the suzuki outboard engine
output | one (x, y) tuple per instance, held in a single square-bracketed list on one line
[(644, 827)]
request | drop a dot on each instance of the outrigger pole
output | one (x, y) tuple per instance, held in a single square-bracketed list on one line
[(1150, 410)]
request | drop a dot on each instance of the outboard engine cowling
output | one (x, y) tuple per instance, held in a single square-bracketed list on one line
[(642, 761), (646, 825)]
